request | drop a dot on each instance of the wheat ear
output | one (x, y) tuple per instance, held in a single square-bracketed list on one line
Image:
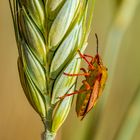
[(48, 35)]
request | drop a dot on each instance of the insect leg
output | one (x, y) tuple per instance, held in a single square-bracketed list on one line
[(83, 69), (77, 92), (82, 56), (73, 93), (86, 55), (79, 74), (86, 84), (70, 94)]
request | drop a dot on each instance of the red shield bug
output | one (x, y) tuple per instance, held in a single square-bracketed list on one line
[(93, 85)]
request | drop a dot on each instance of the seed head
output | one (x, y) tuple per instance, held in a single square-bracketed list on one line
[(48, 35)]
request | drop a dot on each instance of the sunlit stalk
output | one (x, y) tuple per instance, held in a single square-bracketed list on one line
[(131, 120), (117, 31)]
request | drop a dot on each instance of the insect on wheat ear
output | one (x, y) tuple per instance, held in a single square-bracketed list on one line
[(48, 33), (93, 84)]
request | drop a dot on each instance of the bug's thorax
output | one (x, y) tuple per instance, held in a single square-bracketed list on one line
[(95, 71)]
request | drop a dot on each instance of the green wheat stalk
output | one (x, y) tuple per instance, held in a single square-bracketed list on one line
[(118, 29), (48, 35)]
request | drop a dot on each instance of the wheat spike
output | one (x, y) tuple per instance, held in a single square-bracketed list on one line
[(48, 35)]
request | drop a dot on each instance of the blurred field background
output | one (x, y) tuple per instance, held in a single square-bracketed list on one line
[(117, 114)]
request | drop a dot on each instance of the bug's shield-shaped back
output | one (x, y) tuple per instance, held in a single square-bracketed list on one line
[(87, 100)]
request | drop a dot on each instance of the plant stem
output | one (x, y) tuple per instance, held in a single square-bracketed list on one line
[(47, 135), (131, 120), (119, 27)]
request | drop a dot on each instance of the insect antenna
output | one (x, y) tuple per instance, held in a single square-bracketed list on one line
[(97, 49), (97, 42)]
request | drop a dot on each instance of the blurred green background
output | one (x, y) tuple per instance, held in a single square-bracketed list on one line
[(117, 114)]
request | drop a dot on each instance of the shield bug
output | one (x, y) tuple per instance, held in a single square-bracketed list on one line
[(93, 85)]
